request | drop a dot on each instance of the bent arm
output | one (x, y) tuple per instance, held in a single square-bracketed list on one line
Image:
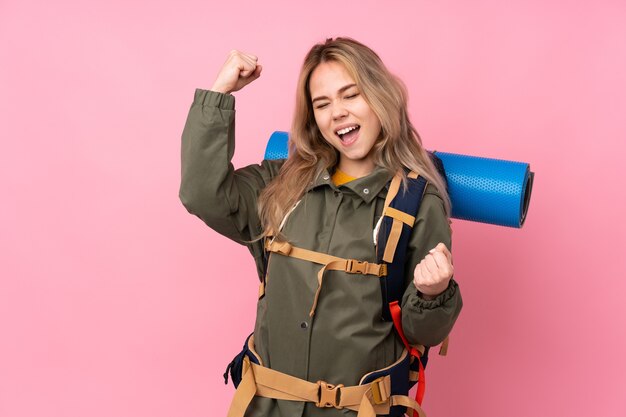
[(428, 322), (224, 198)]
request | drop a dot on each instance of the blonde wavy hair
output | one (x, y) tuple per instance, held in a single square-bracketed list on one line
[(399, 145)]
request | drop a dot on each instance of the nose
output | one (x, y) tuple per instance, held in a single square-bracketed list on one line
[(339, 111)]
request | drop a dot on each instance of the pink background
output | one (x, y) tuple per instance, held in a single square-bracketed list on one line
[(116, 302)]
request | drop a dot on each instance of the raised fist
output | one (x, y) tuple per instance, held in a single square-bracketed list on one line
[(433, 273), (238, 71)]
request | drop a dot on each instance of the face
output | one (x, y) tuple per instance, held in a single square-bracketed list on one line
[(344, 118)]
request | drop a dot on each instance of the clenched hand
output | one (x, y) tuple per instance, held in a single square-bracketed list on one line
[(239, 70), (433, 273)]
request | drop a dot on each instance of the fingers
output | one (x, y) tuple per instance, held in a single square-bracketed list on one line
[(438, 266), (239, 70), (426, 283), (440, 259), (429, 284), (431, 264), (418, 276), (246, 63), (257, 73), (441, 247), (433, 273), (236, 52)]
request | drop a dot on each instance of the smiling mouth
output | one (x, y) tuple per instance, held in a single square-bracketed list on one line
[(347, 133)]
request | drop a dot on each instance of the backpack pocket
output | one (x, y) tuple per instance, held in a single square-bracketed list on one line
[(235, 367), (399, 372)]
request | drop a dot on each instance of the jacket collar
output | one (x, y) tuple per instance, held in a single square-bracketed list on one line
[(367, 187)]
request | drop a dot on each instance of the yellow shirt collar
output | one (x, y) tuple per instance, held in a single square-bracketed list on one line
[(340, 178)]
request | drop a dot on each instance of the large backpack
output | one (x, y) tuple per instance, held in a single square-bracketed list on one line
[(394, 231)]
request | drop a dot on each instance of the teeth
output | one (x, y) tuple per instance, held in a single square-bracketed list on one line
[(346, 130)]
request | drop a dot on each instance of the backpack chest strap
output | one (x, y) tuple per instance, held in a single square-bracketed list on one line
[(329, 262), (400, 218), (399, 215)]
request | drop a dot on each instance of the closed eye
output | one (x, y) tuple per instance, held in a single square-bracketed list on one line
[(352, 95), (321, 106)]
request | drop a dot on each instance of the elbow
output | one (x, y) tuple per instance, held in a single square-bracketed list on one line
[(196, 203), (207, 208), (188, 200), (431, 335)]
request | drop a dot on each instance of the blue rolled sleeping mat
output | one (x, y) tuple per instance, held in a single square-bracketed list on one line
[(483, 190)]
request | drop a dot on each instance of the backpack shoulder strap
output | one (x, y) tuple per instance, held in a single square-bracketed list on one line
[(401, 207), (399, 212)]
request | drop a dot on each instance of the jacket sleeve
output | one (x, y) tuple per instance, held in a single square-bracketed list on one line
[(224, 198), (429, 322)]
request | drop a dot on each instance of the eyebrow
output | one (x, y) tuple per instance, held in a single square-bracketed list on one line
[(341, 90)]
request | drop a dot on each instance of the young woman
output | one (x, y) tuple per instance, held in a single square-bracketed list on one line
[(318, 327)]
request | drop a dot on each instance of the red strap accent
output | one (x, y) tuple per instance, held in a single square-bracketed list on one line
[(396, 315)]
